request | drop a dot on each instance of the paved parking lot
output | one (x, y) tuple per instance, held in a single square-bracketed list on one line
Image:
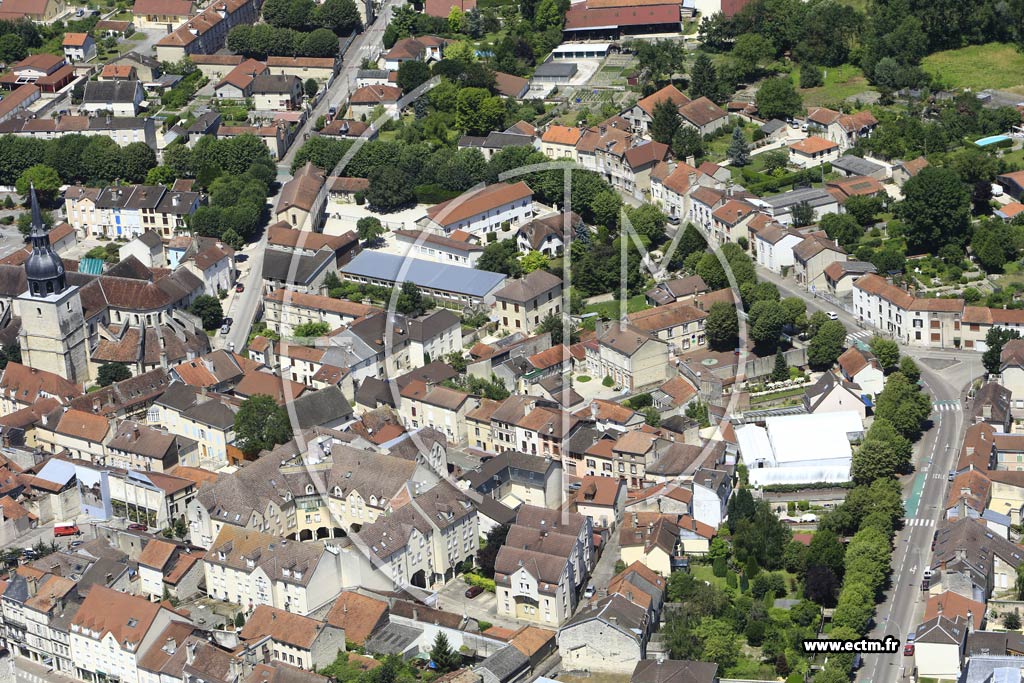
[(484, 607)]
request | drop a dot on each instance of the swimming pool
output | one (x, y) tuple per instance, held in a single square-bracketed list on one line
[(991, 140)]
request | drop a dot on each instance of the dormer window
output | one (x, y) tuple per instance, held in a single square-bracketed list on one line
[(309, 489)]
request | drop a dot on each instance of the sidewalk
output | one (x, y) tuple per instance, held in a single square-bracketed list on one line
[(20, 670)]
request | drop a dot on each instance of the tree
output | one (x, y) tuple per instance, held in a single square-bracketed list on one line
[(488, 553), (698, 411), (311, 87), (411, 301), (369, 229), (884, 453), (501, 257), (995, 339), (720, 644), (778, 99), (659, 58), (45, 180), (665, 121), (903, 404), (261, 424), (208, 309), (136, 161), (687, 142), (811, 76), (412, 73), (443, 656), (112, 372), (886, 351), (239, 620), (722, 326), (842, 227), (766, 320), (389, 189), (340, 16), (826, 345), (803, 214), (311, 329), (1011, 621), (864, 209), (703, 78), (319, 43), (12, 48), (936, 209), (780, 372), (747, 52), (533, 260), (739, 150), (909, 369)]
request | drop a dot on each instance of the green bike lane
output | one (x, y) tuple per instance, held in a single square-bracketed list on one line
[(914, 499)]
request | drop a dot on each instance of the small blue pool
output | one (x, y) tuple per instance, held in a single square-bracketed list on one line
[(991, 140)]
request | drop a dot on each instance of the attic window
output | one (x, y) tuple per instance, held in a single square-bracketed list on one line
[(133, 622)]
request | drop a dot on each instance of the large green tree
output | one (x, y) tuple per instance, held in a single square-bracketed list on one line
[(936, 209), (883, 453), (886, 351), (665, 121), (826, 345), (904, 405), (722, 326), (208, 309), (778, 99), (995, 339), (261, 424)]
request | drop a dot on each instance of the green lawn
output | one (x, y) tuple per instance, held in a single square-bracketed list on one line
[(611, 309), (840, 82), (704, 572), (994, 65)]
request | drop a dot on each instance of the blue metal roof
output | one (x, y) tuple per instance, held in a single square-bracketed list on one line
[(455, 279), (91, 266)]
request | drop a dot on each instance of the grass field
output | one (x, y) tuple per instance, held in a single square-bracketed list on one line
[(611, 309), (840, 82), (994, 65)]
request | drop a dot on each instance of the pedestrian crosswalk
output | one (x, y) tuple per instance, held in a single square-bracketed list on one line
[(918, 521), (946, 406), (858, 338)]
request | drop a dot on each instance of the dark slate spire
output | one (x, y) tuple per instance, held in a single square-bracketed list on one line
[(44, 270)]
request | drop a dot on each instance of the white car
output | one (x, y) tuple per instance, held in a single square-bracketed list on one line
[(832, 315)]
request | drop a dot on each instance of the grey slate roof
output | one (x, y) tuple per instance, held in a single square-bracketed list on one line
[(855, 165), (393, 639), (506, 664), (110, 91), (322, 407), (553, 69), (300, 269), (812, 195), (674, 671)]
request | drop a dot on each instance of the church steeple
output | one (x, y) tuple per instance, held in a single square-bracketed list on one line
[(44, 270)]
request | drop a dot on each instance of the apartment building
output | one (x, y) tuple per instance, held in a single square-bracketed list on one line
[(281, 636), (128, 211), (112, 631), (437, 407), (522, 304), (207, 32), (424, 540), (632, 357), (539, 570), (250, 568), (491, 209), (208, 420)]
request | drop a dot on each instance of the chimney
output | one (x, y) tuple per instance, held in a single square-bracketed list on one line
[(602, 129), (961, 554), (986, 411), (175, 199), (190, 653), (970, 621), (33, 585)]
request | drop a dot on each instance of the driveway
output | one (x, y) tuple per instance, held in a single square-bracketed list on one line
[(484, 607), (605, 568)]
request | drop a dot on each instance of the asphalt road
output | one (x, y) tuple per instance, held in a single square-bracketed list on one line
[(244, 308), (924, 492)]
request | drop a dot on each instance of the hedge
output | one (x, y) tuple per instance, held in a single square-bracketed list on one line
[(433, 194), (477, 580)]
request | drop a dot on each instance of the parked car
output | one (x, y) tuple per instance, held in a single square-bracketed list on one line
[(589, 592), (832, 315), (908, 650), (575, 486), (473, 591), (239, 287), (134, 526)]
